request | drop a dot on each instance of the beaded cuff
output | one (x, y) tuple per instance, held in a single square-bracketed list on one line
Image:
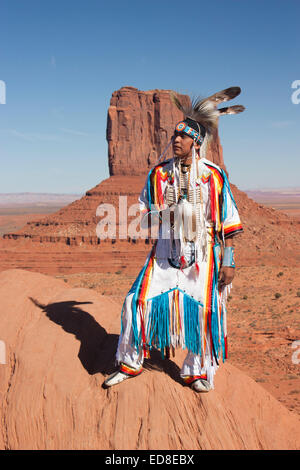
[(228, 258)]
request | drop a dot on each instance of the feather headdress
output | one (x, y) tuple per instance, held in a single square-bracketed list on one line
[(200, 114), (205, 112), (200, 110)]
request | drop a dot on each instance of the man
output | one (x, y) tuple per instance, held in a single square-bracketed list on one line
[(179, 297)]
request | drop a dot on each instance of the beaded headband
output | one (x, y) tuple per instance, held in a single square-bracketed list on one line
[(183, 127)]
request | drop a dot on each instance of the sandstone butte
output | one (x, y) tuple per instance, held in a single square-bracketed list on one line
[(60, 341)]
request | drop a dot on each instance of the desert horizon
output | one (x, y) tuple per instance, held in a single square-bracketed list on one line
[(18, 208)]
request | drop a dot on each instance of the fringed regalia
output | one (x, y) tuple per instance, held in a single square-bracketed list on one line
[(175, 301)]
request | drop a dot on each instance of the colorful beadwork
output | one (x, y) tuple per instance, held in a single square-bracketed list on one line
[(183, 127)]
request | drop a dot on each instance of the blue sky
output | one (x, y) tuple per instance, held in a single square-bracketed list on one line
[(62, 60)]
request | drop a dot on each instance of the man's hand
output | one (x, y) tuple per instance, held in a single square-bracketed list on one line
[(226, 275)]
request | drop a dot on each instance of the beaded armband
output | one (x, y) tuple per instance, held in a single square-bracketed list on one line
[(228, 258)]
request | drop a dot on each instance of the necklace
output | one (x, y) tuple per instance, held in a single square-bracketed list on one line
[(184, 180), (186, 165)]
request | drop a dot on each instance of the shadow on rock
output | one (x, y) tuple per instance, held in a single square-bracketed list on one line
[(157, 362), (97, 347)]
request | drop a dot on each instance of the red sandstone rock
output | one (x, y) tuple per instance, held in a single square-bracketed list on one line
[(139, 126), (60, 344)]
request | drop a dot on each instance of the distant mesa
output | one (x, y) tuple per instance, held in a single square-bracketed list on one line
[(41, 199)]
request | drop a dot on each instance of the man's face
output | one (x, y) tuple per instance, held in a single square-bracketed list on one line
[(182, 145)]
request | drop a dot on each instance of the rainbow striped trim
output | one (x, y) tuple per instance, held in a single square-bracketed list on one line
[(216, 185), (156, 177), (189, 379), (125, 369), (205, 178), (229, 230), (140, 289), (208, 296), (219, 187)]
